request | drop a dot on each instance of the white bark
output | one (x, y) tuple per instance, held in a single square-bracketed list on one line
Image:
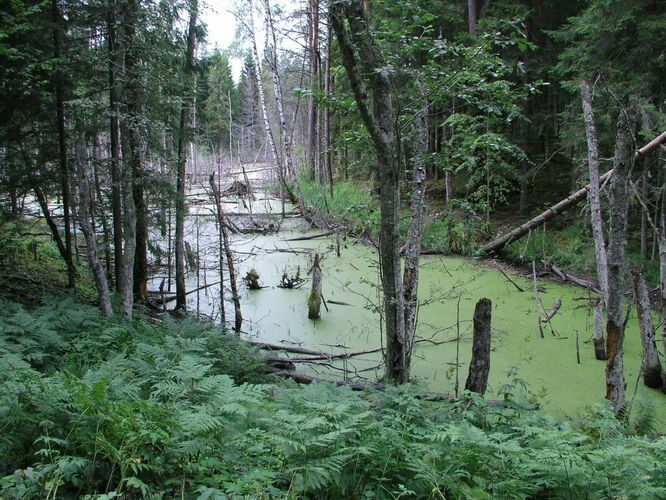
[(595, 213)]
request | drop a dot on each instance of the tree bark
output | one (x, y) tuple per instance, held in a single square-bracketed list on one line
[(314, 301), (88, 231), (417, 206), (360, 56), (62, 143), (238, 317), (615, 386), (313, 108), (115, 96), (264, 109), (271, 57), (479, 367), (650, 366), (595, 213), (183, 139), (471, 17)]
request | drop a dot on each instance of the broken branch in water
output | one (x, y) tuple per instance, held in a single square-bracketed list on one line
[(314, 236), (552, 311)]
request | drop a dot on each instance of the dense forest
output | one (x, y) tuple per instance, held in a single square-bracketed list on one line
[(262, 270)]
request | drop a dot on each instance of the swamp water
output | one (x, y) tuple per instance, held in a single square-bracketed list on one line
[(449, 288)]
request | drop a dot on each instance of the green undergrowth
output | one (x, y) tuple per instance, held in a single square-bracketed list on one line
[(94, 408), (31, 266), (571, 246), (456, 230)]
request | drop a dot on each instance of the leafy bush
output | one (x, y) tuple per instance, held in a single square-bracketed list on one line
[(174, 410)]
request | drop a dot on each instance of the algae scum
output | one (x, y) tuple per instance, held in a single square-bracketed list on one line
[(448, 290)]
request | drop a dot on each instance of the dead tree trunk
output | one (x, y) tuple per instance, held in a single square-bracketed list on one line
[(595, 215), (650, 366), (366, 70), (181, 299), (410, 277), (479, 367), (472, 15), (238, 317), (615, 386), (314, 301), (88, 232), (501, 242)]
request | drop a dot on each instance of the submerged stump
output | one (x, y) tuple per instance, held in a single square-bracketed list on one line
[(314, 301), (479, 367)]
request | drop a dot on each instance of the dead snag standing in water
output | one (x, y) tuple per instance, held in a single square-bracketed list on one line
[(651, 367), (314, 301), (479, 367)]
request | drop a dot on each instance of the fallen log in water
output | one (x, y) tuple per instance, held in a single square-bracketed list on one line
[(590, 285), (312, 237)]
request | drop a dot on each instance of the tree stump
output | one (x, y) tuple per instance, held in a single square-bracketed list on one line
[(314, 301), (252, 280), (479, 367)]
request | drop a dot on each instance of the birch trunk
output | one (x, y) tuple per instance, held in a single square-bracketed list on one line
[(264, 108), (650, 366), (271, 57), (96, 267), (360, 56), (595, 214), (313, 109), (183, 139), (615, 386)]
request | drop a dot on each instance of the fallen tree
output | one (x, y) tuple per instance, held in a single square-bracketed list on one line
[(501, 242), (517, 233)]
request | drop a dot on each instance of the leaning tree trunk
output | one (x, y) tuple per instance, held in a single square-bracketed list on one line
[(96, 267), (548, 214), (650, 365), (595, 216), (366, 70), (238, 317), (615, 387), (479, 367), (181, 298)]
